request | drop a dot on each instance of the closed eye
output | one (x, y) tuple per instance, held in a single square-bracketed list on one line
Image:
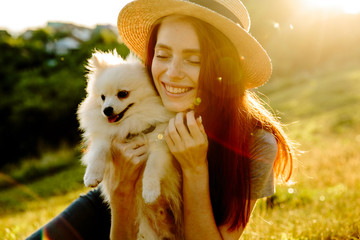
[(193, 62), (193, 59), (162, 54), (162, 57)]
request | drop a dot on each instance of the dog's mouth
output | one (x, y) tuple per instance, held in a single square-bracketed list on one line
[(116, 118)]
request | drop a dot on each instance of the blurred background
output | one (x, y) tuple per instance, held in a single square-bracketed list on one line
[(314, 90)]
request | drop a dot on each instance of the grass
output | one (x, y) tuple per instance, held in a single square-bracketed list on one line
[(20, 224), (37, 190), (34, 168), (323, 204), (322, 114)]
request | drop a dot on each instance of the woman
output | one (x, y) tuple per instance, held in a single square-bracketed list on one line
[(202, 61)]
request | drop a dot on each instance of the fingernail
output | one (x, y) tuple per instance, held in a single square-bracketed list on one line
[(199, 119)]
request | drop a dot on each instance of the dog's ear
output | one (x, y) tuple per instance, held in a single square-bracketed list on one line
[(101, 60), (132, 58), (96, 61)]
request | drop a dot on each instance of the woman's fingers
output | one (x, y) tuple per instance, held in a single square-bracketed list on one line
[(168, 139), (201, 126), (136, 154), (185, 132), (172, 132), (181, 127), (139, 154), (134, 151), (195, 126)]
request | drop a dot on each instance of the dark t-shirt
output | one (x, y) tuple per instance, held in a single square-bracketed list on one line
[(262, 157)]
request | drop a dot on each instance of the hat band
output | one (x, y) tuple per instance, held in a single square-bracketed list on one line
[(217, 7)]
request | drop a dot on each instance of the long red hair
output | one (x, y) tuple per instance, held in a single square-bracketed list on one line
[(230, 115)]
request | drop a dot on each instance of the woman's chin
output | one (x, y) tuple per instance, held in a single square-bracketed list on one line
[(177, 107)]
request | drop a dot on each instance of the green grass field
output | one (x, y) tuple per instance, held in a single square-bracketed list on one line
[(321, 112)]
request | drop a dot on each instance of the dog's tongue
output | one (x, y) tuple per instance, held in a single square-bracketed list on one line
[(112, 119)]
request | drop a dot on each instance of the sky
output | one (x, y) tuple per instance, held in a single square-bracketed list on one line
[(19, 15)]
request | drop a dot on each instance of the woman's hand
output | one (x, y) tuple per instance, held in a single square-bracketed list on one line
[(188, 142), (127, 162)]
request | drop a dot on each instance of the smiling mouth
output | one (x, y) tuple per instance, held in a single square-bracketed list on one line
[(176, 90), (116, 118)]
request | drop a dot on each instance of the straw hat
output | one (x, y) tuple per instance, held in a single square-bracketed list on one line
[(228, 16)]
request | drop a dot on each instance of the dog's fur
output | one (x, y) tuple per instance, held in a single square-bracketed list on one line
[(122, 103)]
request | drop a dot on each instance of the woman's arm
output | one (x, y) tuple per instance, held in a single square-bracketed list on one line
[(188, 143), (198, 214), (126, 166), (122, 213)]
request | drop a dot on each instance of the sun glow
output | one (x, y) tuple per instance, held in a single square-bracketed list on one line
[(34, 14), (347, 6)]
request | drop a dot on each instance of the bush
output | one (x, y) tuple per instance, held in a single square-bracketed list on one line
[(41, 89)]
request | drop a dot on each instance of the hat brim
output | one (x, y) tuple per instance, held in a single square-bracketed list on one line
[(136, 19)]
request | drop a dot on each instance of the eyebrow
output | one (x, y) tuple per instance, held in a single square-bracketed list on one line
[(189, 50)]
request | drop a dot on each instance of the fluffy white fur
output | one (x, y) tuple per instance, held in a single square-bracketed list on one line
[(158, 198)]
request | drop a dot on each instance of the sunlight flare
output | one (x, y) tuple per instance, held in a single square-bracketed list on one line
[(347, 6)]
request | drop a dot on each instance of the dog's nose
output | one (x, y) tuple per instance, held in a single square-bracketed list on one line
[(108, 111)]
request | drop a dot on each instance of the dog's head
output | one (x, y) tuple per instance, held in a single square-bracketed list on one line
[(117, 85)]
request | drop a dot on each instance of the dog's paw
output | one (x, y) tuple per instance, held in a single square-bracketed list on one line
[(92, 179), (151, 191)]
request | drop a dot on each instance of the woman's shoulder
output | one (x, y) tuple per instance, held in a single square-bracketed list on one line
[(262, 157), (263, 146)]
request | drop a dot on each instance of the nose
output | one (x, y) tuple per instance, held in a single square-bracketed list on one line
[(108, 111), (175, 68)]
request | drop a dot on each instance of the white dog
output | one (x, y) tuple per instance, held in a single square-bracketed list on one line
[(122, 103)]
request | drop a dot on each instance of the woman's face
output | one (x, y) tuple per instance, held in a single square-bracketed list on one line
[(176, 64)]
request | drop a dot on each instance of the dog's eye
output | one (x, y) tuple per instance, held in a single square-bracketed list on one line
[(123, 94), (103, 97)]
